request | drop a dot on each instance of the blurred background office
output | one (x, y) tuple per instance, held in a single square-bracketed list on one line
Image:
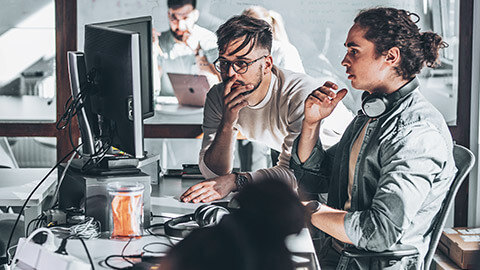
[(34, 35), (315, 29)]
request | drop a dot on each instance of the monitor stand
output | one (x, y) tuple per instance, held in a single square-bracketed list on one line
[(108, 166)]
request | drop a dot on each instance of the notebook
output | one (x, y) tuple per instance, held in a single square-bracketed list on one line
[(190, 90)]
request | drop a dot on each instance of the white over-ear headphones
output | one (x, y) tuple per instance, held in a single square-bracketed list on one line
[(376, 104)]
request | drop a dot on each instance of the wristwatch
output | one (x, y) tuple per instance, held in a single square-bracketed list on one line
[(241, 180), (313, 206)]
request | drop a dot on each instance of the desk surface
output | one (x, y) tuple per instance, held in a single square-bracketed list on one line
[(27, 109), (37, 109), (16, 185), (164, 202), (171, 114)]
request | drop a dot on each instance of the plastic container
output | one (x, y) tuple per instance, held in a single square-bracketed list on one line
[(125, 209)]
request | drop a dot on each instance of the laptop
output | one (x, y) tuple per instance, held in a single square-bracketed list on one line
[(190, 90)]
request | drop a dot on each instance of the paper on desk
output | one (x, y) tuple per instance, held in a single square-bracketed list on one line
[(449, 231), (470, 231), (174, 201), (470, 238)]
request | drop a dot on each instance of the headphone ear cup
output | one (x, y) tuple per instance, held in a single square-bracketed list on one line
[(207, 215), (171, 228), (374, 105)]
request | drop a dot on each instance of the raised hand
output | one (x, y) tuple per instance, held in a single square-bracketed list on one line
[(234, 99), (321, 102)]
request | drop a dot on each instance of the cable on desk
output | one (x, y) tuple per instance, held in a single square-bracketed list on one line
[(59, 182), (144, 248), (41, 217), (149, 230), (123, 251), (139, 256), (86, 250), (88, 229), (12, 247), (28, 199)]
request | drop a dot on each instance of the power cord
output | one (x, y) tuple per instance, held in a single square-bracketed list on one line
[(88, 229), (28, 199), (86, 250)]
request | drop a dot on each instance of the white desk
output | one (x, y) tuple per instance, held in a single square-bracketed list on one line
[(163, 203), (16, 185), (170, 114), (27, 109)]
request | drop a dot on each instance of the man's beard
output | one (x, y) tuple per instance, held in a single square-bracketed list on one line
[(177, 36), (256, 85)]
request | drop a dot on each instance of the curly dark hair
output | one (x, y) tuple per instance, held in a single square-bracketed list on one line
[(244, 26), (390, 27)]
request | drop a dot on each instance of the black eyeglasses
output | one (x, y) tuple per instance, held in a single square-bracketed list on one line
[(239, 66)]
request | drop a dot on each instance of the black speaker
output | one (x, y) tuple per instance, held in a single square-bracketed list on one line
[(205, 215), (377, 104)]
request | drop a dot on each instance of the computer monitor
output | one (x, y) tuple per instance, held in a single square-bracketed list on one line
[(120, 89), (142, 26)]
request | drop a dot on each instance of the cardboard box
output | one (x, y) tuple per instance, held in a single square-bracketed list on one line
[(442, 262), (461, 245)]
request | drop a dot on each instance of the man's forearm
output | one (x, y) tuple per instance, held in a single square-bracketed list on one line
[(219, 155), (331, 221), (307, 141)]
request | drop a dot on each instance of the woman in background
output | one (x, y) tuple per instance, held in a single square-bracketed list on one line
[(284, 54)]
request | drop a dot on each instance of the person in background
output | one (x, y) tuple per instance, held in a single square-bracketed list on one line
[(387, 177), (185, 47), (284, 54), (252, 237), (262, 101)]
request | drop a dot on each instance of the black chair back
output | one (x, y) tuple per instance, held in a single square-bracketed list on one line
[(464, 161)]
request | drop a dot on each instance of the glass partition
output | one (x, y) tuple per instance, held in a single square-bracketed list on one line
[(317, 28), (27, 61)]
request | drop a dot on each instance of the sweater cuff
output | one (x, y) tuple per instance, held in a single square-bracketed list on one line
[(312, 162)]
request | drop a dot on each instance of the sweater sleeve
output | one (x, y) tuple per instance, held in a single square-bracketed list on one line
[(212, 115)]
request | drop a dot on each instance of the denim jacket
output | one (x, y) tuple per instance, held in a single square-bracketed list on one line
[(404, 169)]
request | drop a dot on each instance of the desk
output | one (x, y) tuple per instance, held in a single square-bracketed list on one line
[(16, 185), (168, 114), (174, 121), (163, 203), (169, 121), (27, 109)]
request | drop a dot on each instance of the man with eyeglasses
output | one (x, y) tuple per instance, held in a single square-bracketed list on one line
[(258, 99), (185, 47)]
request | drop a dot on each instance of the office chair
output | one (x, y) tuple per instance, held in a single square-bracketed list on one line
[(7, 159), (6, 225), (464, 161)]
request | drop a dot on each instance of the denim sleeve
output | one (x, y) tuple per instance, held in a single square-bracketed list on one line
[(313, 175), (410, 162)]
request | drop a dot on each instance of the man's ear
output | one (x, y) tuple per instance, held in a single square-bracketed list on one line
[(268, 65), (393, 56)]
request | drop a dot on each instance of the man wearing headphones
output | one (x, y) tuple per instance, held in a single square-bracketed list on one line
[(262, 101), (185, 47), (389, 174)]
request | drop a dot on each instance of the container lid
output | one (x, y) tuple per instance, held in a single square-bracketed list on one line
[(125, 187)]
